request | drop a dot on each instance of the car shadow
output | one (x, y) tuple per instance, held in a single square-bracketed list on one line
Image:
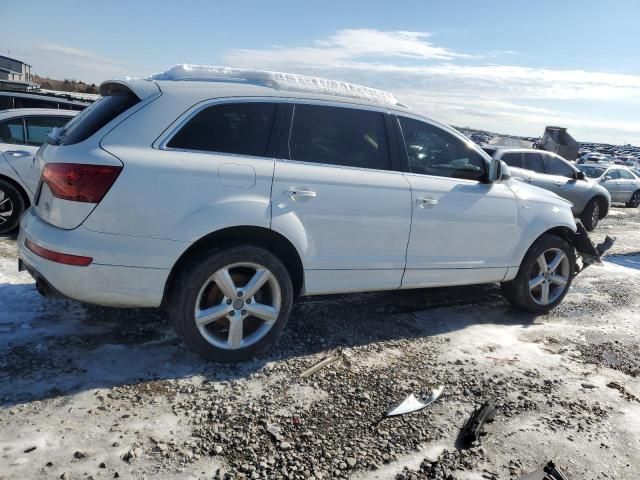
[(51, 348)]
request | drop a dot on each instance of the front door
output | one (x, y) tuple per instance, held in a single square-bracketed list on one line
[(336, 192), (463, 229)]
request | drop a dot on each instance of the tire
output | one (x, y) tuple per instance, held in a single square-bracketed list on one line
[(591, 214), (232, 333), (519, 291), (12, 204), (634, 201)]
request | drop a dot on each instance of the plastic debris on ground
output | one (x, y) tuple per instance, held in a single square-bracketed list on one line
[(549, 472), (412, 404), (473, 429)]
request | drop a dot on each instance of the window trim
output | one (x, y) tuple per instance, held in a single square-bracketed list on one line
[(402, 147)]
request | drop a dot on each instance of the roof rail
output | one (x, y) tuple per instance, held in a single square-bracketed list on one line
[(276, 80)]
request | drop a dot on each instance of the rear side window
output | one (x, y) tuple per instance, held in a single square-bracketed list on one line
[(533, 161), (97, 116), (626, 175), (513, 159), (434, 151), (339, 136), (38, 127), (239, 128), (11, 131), (555, 166)]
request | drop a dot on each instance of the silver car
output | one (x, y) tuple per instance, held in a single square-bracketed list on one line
[(591, 201), (622, 183)]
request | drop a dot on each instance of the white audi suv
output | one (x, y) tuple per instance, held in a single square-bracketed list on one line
[(222, 195)]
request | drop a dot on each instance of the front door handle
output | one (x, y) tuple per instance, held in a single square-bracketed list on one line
[(426, 202), (18, 153), (300, 194), (528, 179), (559, 183)]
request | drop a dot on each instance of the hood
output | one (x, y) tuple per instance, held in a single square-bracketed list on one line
[(525, 192)]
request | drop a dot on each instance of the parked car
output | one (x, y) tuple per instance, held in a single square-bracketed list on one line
[(590, 200), (22, 131), (223, 201), (622, 183), (595, 157)]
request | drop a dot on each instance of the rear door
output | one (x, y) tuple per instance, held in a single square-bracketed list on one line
[(36, 129), (627, 185), (12, 144), (464, 229), (335, 188)]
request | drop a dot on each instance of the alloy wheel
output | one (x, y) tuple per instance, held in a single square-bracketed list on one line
[(549, 276), (595, 215), (238, 305), (635, 199), (6, 207)]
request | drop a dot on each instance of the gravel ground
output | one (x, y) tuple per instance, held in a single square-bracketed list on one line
[(89, 392)]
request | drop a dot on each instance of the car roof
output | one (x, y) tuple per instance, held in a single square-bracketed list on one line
[(21, 112)]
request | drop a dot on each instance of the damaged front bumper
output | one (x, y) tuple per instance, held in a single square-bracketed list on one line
[(589, 253)]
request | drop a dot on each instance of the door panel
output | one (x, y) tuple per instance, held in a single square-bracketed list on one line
[(467, 225), (350, 212)]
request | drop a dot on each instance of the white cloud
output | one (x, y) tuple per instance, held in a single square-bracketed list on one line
[(455, 88)]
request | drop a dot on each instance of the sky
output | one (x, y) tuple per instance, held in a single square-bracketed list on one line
[(508, 66)]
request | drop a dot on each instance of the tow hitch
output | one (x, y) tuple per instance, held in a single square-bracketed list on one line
[(589, 253)]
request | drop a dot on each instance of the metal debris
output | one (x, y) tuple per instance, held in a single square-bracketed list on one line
[(473, 428), (549, 472), (339, 354), (412, 404)]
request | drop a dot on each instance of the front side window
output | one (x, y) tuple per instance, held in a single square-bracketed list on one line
[(590, 171), (555, 166), (434, 151), (513, 159), (11, 131), (339, 136), (533, 161), (238, 128), (613, 174), (38, 127)]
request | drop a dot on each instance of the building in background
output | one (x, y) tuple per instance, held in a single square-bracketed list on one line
[(15, 75)]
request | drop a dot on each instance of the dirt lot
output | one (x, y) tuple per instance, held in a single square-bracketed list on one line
[(89, 392)]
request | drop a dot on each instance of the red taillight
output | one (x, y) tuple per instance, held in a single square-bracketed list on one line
[(58, 257), (78, 182)]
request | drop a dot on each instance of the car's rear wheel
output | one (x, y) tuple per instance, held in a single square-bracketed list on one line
[(634, 201), (544, 277), (591, 214), (232, 304), (11, 207)]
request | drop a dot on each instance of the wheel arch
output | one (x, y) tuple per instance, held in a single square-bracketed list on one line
[(604, 205), (263, 237), (19, 187)]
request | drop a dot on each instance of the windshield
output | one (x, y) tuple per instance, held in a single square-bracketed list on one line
[(591, 172)]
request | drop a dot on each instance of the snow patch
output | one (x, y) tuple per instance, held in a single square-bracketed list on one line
[(277, 80)]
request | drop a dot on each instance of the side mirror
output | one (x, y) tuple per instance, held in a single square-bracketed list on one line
[(580, 175), (495, 170), (607, 178)]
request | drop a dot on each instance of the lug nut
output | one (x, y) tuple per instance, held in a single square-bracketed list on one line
[(239, 294), (231, 314), (229, 301), (248, 300), (243, 312)]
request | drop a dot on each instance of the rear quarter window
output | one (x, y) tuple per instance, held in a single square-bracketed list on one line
[(97, 116)]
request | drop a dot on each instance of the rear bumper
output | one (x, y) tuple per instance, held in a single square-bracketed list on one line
[(98, 283)]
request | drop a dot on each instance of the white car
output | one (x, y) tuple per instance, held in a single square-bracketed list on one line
[(223, 199), (622, 183), (22, 131)]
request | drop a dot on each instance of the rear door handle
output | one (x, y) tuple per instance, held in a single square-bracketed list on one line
[(559, 183), (300, 194), (426, 202), (18, 153)]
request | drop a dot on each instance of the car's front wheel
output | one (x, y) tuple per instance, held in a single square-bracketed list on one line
[(544, 276), (11, 207), (231, 304), (591, 215)]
